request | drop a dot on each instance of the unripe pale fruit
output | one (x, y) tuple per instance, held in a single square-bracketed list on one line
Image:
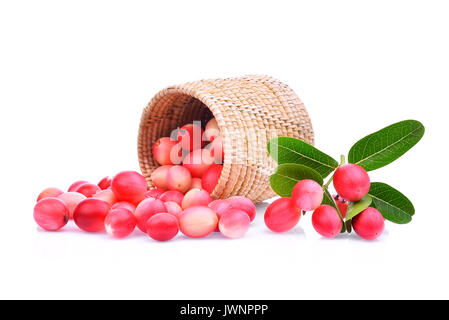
[(179, 179), (217, 151), (242, 203), (51, 214), (106, 195), (120, 223), (162, 227), (369, 224), (154, 193), (49, 192), (198, 161), (162, 149), (89, 214), (190, 136), (174, 196), (196, 197), (173, 208), (146, 209), (159, 176), (75, 185), (197, 222), (342, 205), (307, 195), (351, 182), (234, 223), (326, 221), (71, 200), (129, 186), (88, 189), (124, 205), (210, 177), (282, 215), (105, 183), (212, 131)]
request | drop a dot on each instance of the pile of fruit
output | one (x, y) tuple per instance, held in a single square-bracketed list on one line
[(188, 173)]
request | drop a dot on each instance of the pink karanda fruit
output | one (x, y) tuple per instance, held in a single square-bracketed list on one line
[(198, 161), (172, 195), (146, 209), (162, 226), (369, 224), (212, 131), (51, 214), (197, 222), (217, 150), (351, 182), (326, 221), (196, 197), (190, 137), (120, 222), (210, 177), (196, 183), (105, 183), (173, 208), (49, 192), (179, 179), (244, 204), (75, 185), (106, 195), (89, 214), (282, 215), (154, 193), (307, 195), (129, 186), (88, 189), (71, 200), (219, 206), (234, 223), (159, 176), (162, 150), (125, 205)]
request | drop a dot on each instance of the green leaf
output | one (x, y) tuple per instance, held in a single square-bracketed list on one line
[(354, 208), (287, 175), (393, 205), (291, 150), (329, 200), (384, 146)]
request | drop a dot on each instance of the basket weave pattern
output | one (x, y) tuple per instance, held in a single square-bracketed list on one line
[(249, 111)]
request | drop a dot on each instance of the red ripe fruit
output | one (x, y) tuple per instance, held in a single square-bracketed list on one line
[(173, 208), (326, 221), (51, 214), (219, 207), (75, 185), (106, 195), (196, 197), (351, 182), (129, 186), (190, 137), (146, 209), (89, 214), (282, 215), (49, 192), (154, 193), (162, 150), (307, 195), (242, 203), (120, 223), (88, 189), (105, 183), (210, 177), (162, 227), (369, 224), (125, 205), (198, 161), (174, 196), (342, 205)]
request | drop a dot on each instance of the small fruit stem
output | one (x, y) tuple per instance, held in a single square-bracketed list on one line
[(342, 159)]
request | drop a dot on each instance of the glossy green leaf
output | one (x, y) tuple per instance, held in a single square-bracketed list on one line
[(291, 150), (287, 175), (393, 205), (354, 208), (384, 146)]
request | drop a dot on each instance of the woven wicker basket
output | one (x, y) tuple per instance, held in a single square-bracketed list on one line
[(249, 110)]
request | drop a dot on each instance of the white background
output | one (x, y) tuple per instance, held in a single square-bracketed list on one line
[(75, 75)]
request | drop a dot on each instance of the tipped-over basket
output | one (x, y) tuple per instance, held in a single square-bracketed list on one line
[(249, 110)]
